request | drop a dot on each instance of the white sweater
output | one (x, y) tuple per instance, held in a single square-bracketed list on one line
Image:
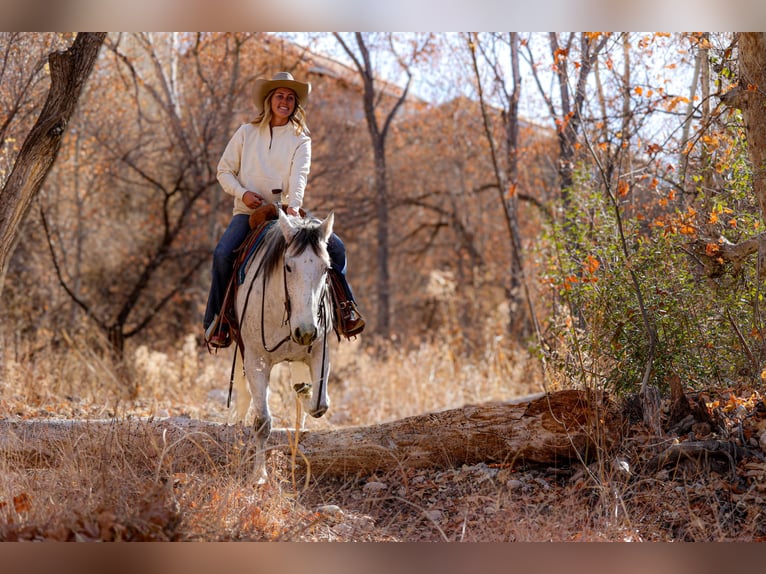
[(261, 161)]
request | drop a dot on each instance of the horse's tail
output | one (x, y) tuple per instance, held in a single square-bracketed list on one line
[(239, 384)]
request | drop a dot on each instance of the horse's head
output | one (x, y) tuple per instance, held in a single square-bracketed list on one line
[(306, 263)]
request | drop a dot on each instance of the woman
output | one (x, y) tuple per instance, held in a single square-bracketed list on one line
[(267, 161)]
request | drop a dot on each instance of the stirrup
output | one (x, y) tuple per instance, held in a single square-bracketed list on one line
[(215, 336), (350, 320)]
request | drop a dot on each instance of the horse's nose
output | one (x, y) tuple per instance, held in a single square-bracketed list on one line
[(305, 336)]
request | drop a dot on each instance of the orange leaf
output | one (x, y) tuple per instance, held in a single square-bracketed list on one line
[(591, 264), (687, 230), (559, 55), (623, 188), (22, 502)]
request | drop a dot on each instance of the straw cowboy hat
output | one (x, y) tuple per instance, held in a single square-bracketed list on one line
[(280, 80)]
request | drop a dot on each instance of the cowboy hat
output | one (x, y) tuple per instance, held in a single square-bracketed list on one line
[(280, 80)]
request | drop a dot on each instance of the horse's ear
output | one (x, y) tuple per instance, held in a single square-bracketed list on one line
[(285, 224), (326, 226)]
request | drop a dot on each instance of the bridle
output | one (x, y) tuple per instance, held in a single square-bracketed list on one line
[(288, 309)]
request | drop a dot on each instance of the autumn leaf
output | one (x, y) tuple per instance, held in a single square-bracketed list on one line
[(570, 281), (590, 265), (623, 188), (560, 54), (712, 249), (22, 503)]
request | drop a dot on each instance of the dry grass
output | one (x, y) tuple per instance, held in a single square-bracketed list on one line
[(120, 484)]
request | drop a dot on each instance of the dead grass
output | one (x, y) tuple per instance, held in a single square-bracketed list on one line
[(119, 484)]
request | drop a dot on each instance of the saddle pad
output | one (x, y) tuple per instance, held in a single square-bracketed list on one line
[(251, 243)]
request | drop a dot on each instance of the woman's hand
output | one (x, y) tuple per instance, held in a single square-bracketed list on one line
[(293, 211), (252, 199)]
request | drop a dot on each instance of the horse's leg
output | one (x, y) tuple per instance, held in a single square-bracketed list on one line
[(242, 392), (314, 396), (258, 372)]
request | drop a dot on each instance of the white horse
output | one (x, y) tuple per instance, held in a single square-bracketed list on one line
[(285, 314)]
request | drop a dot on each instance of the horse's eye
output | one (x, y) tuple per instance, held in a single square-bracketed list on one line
[(288, 268)]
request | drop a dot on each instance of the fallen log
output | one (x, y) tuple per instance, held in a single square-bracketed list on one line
[(548, 429), (701, 450)]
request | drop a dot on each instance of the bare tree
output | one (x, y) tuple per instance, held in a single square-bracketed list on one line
[(566, 107), (375, 99), (505, 166), (69, 71), (176, 110)]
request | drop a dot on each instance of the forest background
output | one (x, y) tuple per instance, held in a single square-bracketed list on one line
[(522, 211), (538, 192)]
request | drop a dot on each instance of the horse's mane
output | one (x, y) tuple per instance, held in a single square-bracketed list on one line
[(273, 246)]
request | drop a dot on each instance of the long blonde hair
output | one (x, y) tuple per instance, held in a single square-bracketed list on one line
[(297, 118)]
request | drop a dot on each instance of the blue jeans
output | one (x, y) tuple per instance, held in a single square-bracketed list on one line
[(223, 264), (338, 261), (224, 258)]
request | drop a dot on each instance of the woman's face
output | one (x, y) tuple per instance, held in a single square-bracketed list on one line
[(282, 106)]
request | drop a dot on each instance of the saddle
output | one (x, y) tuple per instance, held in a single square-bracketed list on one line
[(227, 320)]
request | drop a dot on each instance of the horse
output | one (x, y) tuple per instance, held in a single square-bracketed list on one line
[(284, 311)]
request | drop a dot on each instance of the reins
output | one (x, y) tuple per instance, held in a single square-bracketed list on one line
[(285, 321)]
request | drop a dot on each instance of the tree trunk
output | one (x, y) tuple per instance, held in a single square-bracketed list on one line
[(371, 101), (69, 70), (383, 324), (553, 429), (752, 83), (750, 97)]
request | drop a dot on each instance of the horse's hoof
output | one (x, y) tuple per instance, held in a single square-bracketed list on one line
[(302, 389), (319, 412)]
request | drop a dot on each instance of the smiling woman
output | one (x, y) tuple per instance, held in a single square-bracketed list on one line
[(282, 106), (267, 162)]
